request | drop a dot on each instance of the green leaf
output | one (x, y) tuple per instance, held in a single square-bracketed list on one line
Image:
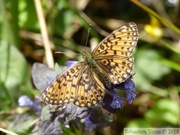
[(148, 67), (27, 15), (139, 123), (14, 74), (23, 124), (8, 21), (163, 111)]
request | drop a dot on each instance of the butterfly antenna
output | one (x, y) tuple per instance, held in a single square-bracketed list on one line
[(87, 38), (60, 52)]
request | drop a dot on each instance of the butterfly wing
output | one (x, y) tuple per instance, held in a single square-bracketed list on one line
[(117, 70), (114, 54), (78, 84), (62, 89), (120, 43), (90, 89)]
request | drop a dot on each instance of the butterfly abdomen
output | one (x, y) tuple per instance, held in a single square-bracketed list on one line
[(104, 79)]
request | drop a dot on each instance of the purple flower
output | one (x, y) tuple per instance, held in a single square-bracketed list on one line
[(112, 102), (71, 62), (25, 101), (129, 88), (51, 119), (95, 117)]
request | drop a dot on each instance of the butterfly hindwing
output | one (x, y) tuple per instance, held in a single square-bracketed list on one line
[(118, 70), (90, 89)]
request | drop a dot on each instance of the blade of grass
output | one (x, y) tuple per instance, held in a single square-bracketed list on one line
[(8, 132), (164, 43), (44, 33), (163, 20), (171, 64)]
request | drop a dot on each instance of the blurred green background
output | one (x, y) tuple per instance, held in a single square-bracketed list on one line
[(157, 55)]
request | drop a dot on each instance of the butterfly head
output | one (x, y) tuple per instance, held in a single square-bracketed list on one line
[(88, 59), (86, 55)]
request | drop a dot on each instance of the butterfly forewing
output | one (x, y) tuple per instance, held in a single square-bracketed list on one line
[(78, 84), (62, 89), (120, 43)]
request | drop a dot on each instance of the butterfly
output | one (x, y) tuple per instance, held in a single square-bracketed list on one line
[(86, 82)]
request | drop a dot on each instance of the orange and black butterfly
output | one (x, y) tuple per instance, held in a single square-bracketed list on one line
[(110, 63)]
